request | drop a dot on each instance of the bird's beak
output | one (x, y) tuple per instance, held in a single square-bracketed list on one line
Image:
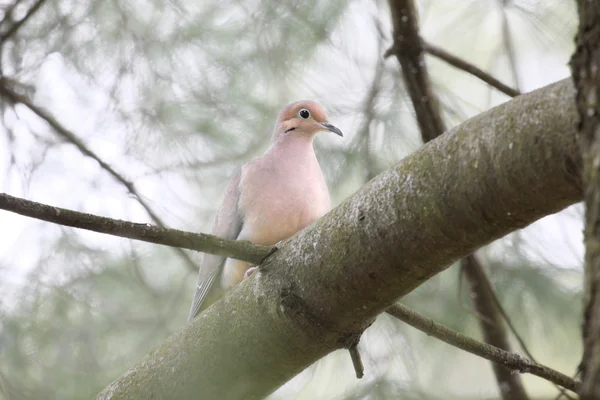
[(332, 128)]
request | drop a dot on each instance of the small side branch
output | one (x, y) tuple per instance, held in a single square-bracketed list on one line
[(16, 25), (352, 346), (238, 249), (477, 72), (510, 360), (359, 369)]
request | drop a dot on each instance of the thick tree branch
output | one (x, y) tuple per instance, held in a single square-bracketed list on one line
[(510, 385), (493, 174), (585, 65), (178, 238), (240, 249), (6, 89), (512, 361)]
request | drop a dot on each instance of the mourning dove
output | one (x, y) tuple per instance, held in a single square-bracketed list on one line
[(269, 199)]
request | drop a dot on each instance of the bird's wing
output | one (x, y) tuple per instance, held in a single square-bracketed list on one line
[(228, 224)]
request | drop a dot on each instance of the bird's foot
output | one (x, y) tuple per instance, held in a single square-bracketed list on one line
[(250, 271)]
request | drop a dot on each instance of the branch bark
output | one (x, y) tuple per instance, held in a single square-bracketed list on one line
[(512, 361), (586, 74), (409, 52), (239, 249), (495, 173), (416, 77), (469, 68)]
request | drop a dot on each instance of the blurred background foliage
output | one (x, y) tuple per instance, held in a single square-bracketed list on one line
[(173, 95)]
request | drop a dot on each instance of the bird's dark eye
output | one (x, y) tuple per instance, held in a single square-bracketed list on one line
[(304, 113)]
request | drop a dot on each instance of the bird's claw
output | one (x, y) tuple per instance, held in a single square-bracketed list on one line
[(250, 271)]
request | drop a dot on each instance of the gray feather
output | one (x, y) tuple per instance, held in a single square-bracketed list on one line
[(228, 224)]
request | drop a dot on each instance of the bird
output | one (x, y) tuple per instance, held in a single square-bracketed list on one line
[(268, 199)]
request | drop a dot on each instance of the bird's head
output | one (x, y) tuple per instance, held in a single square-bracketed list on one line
[(303, 119)]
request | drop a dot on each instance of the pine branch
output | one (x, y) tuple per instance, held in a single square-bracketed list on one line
[(477, 72), (512, 361), (239, 249)]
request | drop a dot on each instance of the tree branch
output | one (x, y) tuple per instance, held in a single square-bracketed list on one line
[(7, 90), (16, 25), (510, 385), (409, 52), (495, 173), (512, 361), (469, 68), (239, 249), (586, 75)]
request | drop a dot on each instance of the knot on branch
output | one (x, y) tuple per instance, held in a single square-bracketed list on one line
[(295, 308), (410, 46)]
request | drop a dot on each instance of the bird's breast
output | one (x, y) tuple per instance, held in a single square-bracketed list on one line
[(278, 202)]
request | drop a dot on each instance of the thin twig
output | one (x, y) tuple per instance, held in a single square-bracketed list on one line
[(71, 137), (357, 363), (238, 249), (510, 360), (15, 27), (469, 68)]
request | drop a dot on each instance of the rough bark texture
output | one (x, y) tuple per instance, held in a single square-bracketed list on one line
[(586, 74), (495, 173), (408, 49)]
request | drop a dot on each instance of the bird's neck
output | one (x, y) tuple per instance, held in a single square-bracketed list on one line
[(293, 146)]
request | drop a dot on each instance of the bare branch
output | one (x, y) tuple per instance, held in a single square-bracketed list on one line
[(470, 68), (357, 363), (586, 76), (15, 27), (513, 361), (239, 249), (409, 52)]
